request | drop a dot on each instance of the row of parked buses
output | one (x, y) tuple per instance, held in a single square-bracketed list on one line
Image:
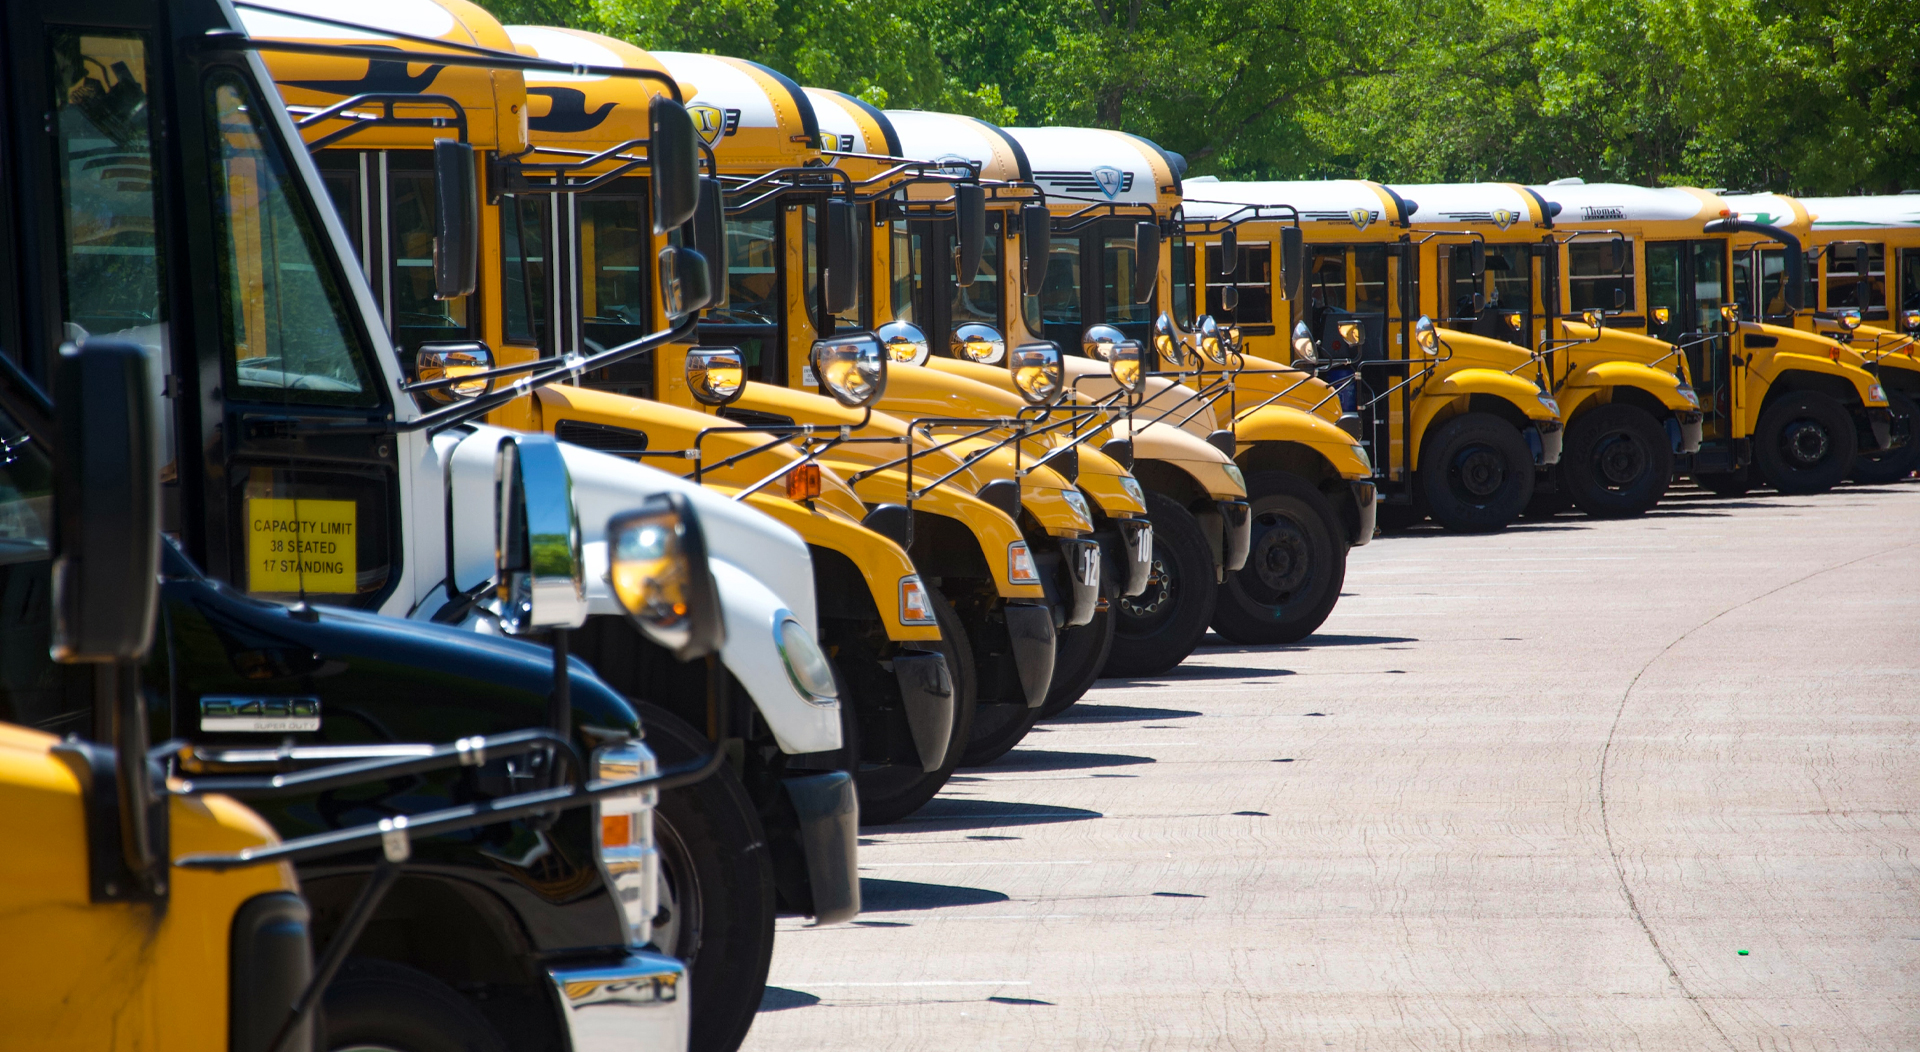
[(584, 484)]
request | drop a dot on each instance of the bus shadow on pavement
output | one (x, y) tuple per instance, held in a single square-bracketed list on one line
[(1048, 760), (897, 896), (1088, 712), (948, 814), (779, 999), (1196, 674)]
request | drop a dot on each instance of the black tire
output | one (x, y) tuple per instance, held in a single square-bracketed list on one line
[(893, 791), (1547, 500), (1397, 518), (379, 1004), (1295, 565), (1157, 629), (1805, 443), (1476, 473), (1617, 461), (718, 906), (1733, 483), (1082, 653), (1894, 464), (997, 727)]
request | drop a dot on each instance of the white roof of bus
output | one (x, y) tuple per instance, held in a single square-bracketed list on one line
[(1498, 204), (942, 137), (1772, 209), (562, 45), (721, 84), (1089, 164), (843, 132), (1885, 210), (1612, 202), (422, 18), (1323, 199)]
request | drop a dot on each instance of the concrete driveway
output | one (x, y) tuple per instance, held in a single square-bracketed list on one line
[(1628, 785)]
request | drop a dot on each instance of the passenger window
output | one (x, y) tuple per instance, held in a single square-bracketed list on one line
[(1327, 280), (1666, 287), (1709, 284), (907, 268), (1848, 285), (753, 269), (1593, 283), (1370, 279), (1183, 283), (813, 249), (417, 314), (283, 316), (1910, 279), (110, 280), (1118, 265), (523, 255), (616, 241), (1060, 296), (1254, 275)]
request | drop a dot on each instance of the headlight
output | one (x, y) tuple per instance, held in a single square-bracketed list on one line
[(974, 342), (1365, 461), (1080, 505), (1552, 406), (1020, 565), (715, 375), (1686, 391), (1233, 472), (806, 666), (625, 836), (905, 343), (1876, 393), (1132, 486), (916, 606), (1037, 372), (853, 369)]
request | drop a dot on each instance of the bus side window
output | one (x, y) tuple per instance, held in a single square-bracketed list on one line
[(1592, 281), (1253, 273), (523, 255), (1844, 278)]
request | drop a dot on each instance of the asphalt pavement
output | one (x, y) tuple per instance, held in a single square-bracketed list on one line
[(1648, 784)]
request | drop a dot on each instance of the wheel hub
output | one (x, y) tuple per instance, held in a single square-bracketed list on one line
[(1480, 471), (1154, 597), (1806, 442), (1281, 559), (1619, 459)]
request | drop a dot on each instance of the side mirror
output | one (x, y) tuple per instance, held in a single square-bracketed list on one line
[(1146, 261), (673, 159), (1229, 298), (539, 574), (1594, 318), (657, 565), (905, 343), (716, 375), (1303, 348), (1167, 342), (1293, 260), (1127, 364), (1617, 254), (1730, 313), (1229, 251), (450, 359), (456, 221), (1862, 265), (842, 238), (852, 368), (1477, 264), (1209, 340), (106, 503), (977, 342), (684, 277), (1036, 241), (710, 239), (1662, 315), (1037, 372), (970, 216), (1426, 336)]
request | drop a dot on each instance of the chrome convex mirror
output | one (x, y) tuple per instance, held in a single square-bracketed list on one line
[(1128, 364), (1911, 319), (975, 342), (1038, 372), (1662, 315), (1303, 348), (1211, 342), (1169, 345), (1426, 336), (538, 571), (437, 361), (657, 566), (1350, 331), (905, 343), (716, 375), (1098, 341), (853, 368), (1849, 318), (1730, 313), (1594, 318)]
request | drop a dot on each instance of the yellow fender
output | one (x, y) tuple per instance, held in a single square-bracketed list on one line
[(1208, 467), (1101, 480), (1284, 423), (1587, 381), (881, 562), (1450, 393)]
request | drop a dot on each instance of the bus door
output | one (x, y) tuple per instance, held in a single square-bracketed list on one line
[(754, 317), (926, 284), (1494, 300), (1090, 280), (1349, 283), (1690, 280), (1856, 277)]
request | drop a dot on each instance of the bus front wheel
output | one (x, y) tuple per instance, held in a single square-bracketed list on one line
[(1476, 473)]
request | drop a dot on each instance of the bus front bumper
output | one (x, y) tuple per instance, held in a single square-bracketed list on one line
[(636, 1004)]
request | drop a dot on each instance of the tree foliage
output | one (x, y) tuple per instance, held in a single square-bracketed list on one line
[(1812, 96)]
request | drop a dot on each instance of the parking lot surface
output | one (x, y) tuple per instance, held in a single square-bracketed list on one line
[(1644, 784)]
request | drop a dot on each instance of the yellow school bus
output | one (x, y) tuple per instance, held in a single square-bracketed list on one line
[(1492, 252), (1780, 405), (1456, 424), (1862, 266)]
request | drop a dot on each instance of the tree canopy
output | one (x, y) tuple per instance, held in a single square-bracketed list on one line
[(1805, 96)]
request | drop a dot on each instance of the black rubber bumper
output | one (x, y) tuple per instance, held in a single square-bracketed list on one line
[(1236, 518), (1030, 631), (829, 811), (926, 692), (1366, 508)]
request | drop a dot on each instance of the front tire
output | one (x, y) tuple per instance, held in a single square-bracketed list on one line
[(1157, 629), (718, 903), (1892, 465), (1082, 653), (1295, 565), (1805, 443), (891, 792), (1476, 473), (1617, 461), (381, 1005)]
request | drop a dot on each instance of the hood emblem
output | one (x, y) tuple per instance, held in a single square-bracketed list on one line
[(708, 121), (1361, 217), (1504, 217), (1110, 180)]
